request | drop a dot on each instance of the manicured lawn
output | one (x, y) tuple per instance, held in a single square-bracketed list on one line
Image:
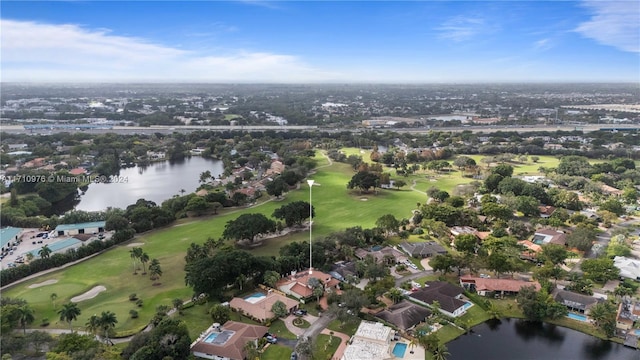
[(276, 352), (324, 346), (475, 315), (280, 330), (448, 333), (348, 328), (301, 323)]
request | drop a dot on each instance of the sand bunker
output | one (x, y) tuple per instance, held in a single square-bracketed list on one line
[(44, 283), (135, 244), (89, 294)]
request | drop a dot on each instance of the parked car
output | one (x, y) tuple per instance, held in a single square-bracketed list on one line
[(300, 312), (271, 339)]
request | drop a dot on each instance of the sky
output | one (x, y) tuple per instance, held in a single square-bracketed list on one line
[(255, 41)]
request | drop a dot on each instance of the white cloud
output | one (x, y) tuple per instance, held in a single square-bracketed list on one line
[(613, 23), (461, 28), (33, 51), (543, 44)]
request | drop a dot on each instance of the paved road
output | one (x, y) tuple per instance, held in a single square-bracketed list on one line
[(317, 327), (414, 276)]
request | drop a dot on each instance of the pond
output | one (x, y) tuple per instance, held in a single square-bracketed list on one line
[(156, 182), (516, 339)]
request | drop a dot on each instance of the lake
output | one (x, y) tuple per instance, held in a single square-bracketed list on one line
[(516, 339), (156, 182)]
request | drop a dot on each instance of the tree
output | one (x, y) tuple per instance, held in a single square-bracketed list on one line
[(93, 324), (44, 252), (107, 322), (279, 309), (241, 279), (277, 187), (204, 176), (395, 295), (613, 205), (248, 226), (539, 305), (363, 180), (177, 304), (399, 184), (442, 262), (554, 253), (503, 170), (198, 205), (144, 259), (304, 346), (53, 298), (604, 317), (271, 278), (69, 312), (528, 205), (25, 316), (220, 313), (251, 350), (440, 352), (388, 223), (134, 254), (428, 342), (155, 271), (600, 270), (466, 243), (294, 213), (582, 238), (463, 162)]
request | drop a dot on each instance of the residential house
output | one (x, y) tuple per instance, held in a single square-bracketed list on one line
[(379, 254), (629, 268), (628, 314), (447, 295), (488, 287), (14, 147), (372, 341), (461, 230), (226, 342), (531, 250), (259, 307), (549, 236), (297, 285), (546, 211), (343, 269), (574, 301), (405, 314), (423, 249)]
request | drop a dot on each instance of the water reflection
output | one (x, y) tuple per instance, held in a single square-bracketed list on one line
[(529, 330)]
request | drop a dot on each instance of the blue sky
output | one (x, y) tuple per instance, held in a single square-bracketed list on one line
[(320, 41)]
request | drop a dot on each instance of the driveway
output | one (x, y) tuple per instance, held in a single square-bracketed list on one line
[(343, 343)]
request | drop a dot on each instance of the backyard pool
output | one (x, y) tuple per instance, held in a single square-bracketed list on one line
[(468, 304), (211, 337), (255, 297), (399, 349), (577, 317)]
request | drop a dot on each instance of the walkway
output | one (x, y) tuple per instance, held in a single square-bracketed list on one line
[(343, 344)]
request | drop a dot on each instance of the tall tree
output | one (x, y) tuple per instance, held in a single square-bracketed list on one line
[(45, 252), (25, 316), (107, 322), (69, 312), (155, 271), (279, 309), (144, 259), (248, 226)]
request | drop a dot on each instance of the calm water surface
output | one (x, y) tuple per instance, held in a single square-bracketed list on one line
[(156, 182), (513, 339)]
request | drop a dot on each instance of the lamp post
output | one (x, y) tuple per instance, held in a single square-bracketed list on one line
[(310, 182)]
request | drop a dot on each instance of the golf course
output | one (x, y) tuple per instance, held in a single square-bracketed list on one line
[(111, 274)]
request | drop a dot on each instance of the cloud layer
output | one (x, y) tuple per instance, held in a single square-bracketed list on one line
[(35, 51), (614, 23)]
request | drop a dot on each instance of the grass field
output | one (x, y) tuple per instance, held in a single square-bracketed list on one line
[(324, 346), (276, 352)]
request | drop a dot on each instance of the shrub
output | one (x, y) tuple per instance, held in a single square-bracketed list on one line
[(45, 322), (139, 302), (133, 297), (133, 313)]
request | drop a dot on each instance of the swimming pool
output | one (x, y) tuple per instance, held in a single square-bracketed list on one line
[(637, 332), (467, 304), (399, 349), (255, 297), (211, 337), (577, 317)]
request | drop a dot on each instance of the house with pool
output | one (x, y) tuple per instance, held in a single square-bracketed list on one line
[(576, 303), (226, 342), (497, 287), (405, 315), (372, 341), (258, 305), (297, 285)]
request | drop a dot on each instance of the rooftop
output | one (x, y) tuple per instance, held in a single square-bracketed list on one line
[(374, 331), (87, 225), (7, 234), (361, 349)]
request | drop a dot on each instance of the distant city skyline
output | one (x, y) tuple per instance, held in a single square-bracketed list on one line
[(320, 42)]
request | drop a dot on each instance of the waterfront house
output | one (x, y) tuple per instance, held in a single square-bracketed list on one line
[(405, 314), (627, 315), (574, 301), (488, 287), (447, 295), (372, 341), (227, 341)]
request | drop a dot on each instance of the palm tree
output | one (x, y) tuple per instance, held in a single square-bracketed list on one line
[(441, 352), (155, 271), (144, 259), (107, 321), (493, 311), (412, 344), (240, 280), (69, 313), (25, 316), (44, 252), (134, 257), (251, 349), (395, 295), (53, 298), (93, 324)]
